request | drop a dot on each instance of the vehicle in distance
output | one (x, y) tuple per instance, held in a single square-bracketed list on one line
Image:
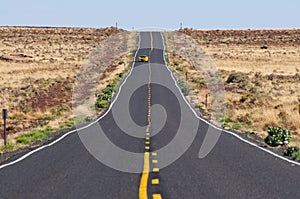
[(143, 58)]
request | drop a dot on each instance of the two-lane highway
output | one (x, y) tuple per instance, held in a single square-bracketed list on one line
[(151, 133)]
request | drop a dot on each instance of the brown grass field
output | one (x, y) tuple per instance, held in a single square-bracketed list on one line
[(38, 67), (265, 66)]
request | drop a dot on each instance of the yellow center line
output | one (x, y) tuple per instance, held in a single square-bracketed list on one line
[(143, 193), (144, 180), (155, 181), (154, 161), (157, 196), (155, 170)]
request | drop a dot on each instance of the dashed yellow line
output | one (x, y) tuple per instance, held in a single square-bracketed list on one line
[(156, 196), (154, 161), (155, 181), (155, 170), (143, 193)]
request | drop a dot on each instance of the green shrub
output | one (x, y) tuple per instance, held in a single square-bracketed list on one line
[(293, 152), (296, 156), (225, 125), (194, 80), (290, 150), (49, 117), (186, 91), (67, 124), (277, 136), (235, 126), (227, 120), (107, 91), (101, 104), (88, 119), (199, 106), (104, 97), (179, 68)]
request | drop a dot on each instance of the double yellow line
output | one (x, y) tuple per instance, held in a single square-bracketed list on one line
[(143, 193)]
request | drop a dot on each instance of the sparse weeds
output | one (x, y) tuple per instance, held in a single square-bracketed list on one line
[(8, 148), (34, 136)]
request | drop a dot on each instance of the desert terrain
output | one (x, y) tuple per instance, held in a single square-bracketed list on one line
[(260, 70), (38, 67)]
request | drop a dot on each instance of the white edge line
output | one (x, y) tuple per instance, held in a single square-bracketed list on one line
[(218, 128), (116, 97), (73, 131)]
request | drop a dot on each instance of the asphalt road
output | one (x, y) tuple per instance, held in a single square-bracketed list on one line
[(116, 144)]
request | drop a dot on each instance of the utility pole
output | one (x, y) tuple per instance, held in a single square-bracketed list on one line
[(116, 25), (4, 116), (180, 26)]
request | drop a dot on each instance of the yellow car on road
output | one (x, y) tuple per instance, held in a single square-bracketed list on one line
[(143, 58)]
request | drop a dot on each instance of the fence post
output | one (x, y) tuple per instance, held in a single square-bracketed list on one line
[(4, 116)]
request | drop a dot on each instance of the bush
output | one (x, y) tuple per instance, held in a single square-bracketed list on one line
[(185, 90), (180, 68), (277, 136), (104, 97), (236, 77), (292, 149), (296, 156), (107, 91), (101, 104), (293, 152), (235, 126), (227, 120)]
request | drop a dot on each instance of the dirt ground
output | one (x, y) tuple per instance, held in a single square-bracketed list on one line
[(260, 70), (38, 67), (261, 74)]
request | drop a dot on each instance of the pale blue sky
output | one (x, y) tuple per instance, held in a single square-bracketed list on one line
[(210, 14)]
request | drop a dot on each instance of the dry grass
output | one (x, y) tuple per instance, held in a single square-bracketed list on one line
[(267, 94), (38, 67)]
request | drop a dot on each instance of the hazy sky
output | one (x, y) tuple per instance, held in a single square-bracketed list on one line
[(210, 14)]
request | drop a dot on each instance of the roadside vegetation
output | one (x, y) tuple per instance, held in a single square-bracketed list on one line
[(261, 73), (105, 95), (39, 67)]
